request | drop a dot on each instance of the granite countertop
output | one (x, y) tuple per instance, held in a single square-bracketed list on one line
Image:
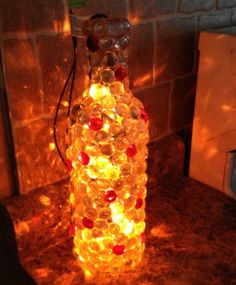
[(190, 236)]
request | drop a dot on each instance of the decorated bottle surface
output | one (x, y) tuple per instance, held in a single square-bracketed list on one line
[(108, 132)]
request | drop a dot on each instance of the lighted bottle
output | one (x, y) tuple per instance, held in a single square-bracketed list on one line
[(107, 158)]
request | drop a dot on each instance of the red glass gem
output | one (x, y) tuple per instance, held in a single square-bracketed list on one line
[(110, 196), (95, 124), (88, 223), (118, 249), (92, 43), (69, 165), (120, 73), (131, 150), (139, 203), (143, 237), (83, 158), (72, 230), (144, 115)]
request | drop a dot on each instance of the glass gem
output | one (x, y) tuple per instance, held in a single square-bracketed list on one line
[(83, 158), (87, 223), (106, 44), (122, 110), (75, 110), (100, 28), (139, 203), (102, 137), (118, 249), (115, 27), (107, 149), (108, 102), (109, 115), (117, 88), (82, 117), (95, 124), (93, 172), (118, 158), (120, 73), (109, 59), (107, 75), (131, 150), (135, 112), (95, 75), (122, 42), (122, 56), (69, 165), (110, 196), (101, 225), (126, 169), (94, 59), (92, 43)]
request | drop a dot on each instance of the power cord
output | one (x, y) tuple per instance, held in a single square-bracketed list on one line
[(71, 77)]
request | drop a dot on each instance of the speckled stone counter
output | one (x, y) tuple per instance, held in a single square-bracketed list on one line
[(190, 235)]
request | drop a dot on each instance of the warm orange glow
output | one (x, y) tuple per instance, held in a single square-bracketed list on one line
[(42, 272), (141, 80), (135, 19), (108, 134), (22, 228), (66, 26), (161, 231), (107, 189), (45, 200), (211, 152), (52, 146), (65, 103), (227, 108)]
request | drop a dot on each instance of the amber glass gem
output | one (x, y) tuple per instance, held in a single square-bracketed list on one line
[(131, 151), (118, 249), (110, 196), (120, 73), (92, 43), (88, 223), (83, 158), (139, 203), (95, 124)]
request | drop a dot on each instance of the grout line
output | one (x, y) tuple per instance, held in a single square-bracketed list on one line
[(181, 15), (27, 35), (139, 89), (23, 123)]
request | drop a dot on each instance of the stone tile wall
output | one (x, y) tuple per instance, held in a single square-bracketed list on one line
[(36, 51)]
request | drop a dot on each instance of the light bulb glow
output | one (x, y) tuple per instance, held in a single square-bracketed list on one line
[(106, 160)]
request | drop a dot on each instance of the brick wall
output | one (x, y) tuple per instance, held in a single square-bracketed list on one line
[(36, 50)]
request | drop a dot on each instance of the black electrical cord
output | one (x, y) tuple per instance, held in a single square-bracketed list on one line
[(71, 74)]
